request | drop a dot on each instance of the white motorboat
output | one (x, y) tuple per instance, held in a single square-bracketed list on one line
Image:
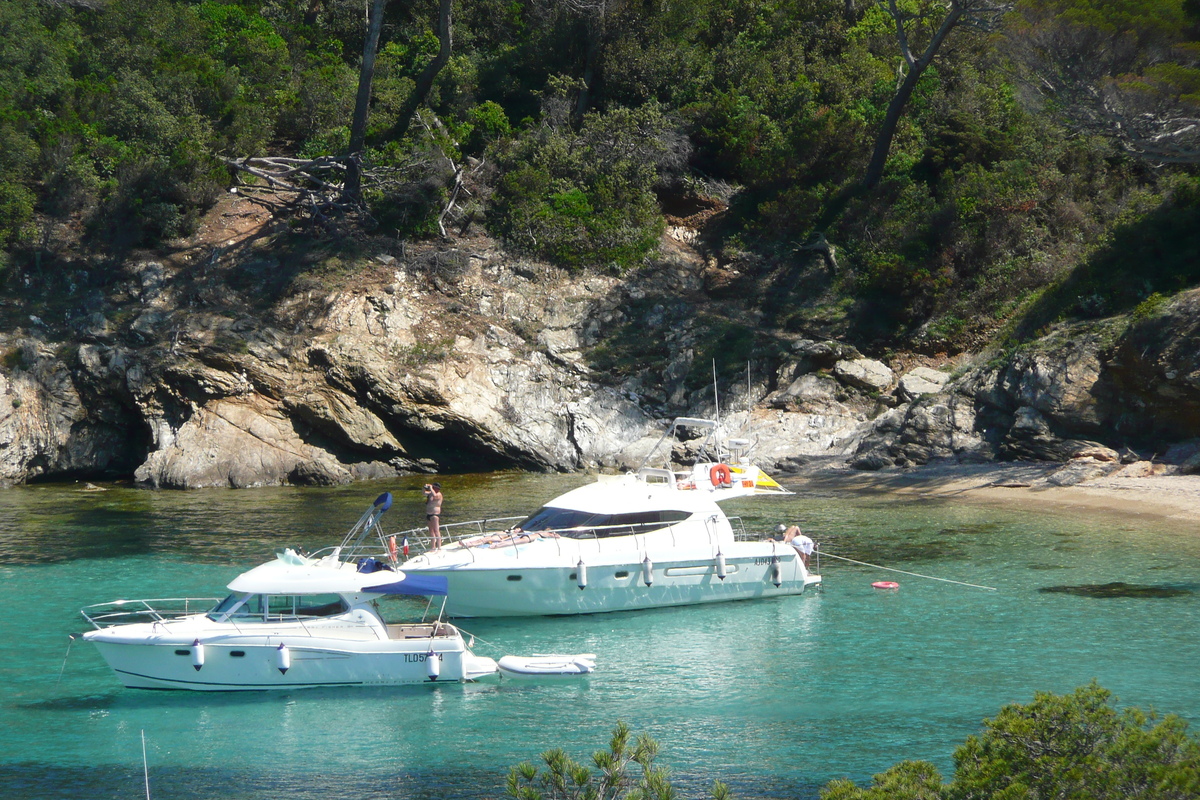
[(295, 622), (650, 538)]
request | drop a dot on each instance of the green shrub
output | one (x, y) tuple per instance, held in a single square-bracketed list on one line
[(584, 198), (1150, 307), (489, 124), (16, 212), (623, 772), (1066, 746)]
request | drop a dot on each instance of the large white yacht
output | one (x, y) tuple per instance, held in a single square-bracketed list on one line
[(295, 622), (653, 537)]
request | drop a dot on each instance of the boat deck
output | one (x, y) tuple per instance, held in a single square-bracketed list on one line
[(422, 630)]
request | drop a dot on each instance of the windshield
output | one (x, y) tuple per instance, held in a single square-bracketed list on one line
[(580, 524), (238, 604)]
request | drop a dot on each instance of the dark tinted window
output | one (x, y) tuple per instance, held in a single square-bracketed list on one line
[(580, 524), (550, 518)]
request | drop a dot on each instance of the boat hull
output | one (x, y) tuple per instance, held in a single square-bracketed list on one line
[(232, 665), (555, 590)]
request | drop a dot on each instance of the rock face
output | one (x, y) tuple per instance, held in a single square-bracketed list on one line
[(1076, 394), (464, 361), (372, 383)]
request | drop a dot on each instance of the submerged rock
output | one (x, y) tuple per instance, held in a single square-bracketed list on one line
[(1119, 589)]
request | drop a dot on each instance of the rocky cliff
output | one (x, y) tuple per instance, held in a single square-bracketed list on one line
[(232, 365)]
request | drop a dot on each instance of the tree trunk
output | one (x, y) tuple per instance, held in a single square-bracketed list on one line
[(314, 9), (589, 71), (362, 104), (428, 75), (916, 67), (883, 141)]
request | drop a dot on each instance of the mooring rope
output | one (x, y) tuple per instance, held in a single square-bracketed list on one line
[(63, 668), (485, 642), (903, 572)]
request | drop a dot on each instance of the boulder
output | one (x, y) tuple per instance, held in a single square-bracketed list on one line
[(921, 381), (1145, 469), (824, 354), (873, 461), (1078, 471), (1096, 451), (864, 373)]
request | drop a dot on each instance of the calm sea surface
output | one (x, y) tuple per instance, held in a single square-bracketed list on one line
[(774, 697)]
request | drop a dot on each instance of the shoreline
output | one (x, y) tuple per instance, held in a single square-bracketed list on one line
[(1173, 499)]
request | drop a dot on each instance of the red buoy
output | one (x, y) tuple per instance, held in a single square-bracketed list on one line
[(886, 585)]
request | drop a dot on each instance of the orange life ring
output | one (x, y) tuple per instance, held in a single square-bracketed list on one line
[(886, 585), (721, 475)]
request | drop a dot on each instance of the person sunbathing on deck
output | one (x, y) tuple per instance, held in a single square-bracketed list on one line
[(510, 538)]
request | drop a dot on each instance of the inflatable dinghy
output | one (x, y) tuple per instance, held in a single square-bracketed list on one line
[(547, 665)]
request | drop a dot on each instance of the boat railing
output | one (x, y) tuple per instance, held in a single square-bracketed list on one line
[(355, 553), (500, 531), (478, 529), (163, 609), (380, 546), (454, 532), (740, 534)]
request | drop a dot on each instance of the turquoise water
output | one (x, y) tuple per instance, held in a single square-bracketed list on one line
[(775, 697)]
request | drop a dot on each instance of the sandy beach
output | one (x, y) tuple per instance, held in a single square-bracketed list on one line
[(1172, 498)]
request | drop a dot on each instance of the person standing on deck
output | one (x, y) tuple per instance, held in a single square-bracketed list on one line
[(433, 513)]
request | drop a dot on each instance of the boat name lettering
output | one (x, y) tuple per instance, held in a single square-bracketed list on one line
[(415, 658)]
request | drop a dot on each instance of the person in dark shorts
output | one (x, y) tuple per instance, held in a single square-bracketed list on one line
[(433, 513)]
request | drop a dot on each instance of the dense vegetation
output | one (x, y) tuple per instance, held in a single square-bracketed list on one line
[(1005, 191), (1074, 747), (1066, 746)]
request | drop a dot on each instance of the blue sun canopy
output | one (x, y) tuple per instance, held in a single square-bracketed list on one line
[(413, 584)]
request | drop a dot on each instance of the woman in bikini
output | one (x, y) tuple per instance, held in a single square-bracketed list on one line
[(433, 513)]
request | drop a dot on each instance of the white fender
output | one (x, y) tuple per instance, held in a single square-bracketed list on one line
[(433, 665), (197, 655), (581, 574), (283, 659), (648, 571), (776, 572), (721, 573)]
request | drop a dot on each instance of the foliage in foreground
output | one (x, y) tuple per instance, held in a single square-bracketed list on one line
[(621, 772), (1073, 747), (1063, 746)]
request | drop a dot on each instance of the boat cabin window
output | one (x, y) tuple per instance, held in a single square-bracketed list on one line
[(283, 606), (584, 524), (241, 606), (237, 605)]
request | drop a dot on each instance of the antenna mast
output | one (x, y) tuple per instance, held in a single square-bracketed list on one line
[(716, 398), (748, 403)]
